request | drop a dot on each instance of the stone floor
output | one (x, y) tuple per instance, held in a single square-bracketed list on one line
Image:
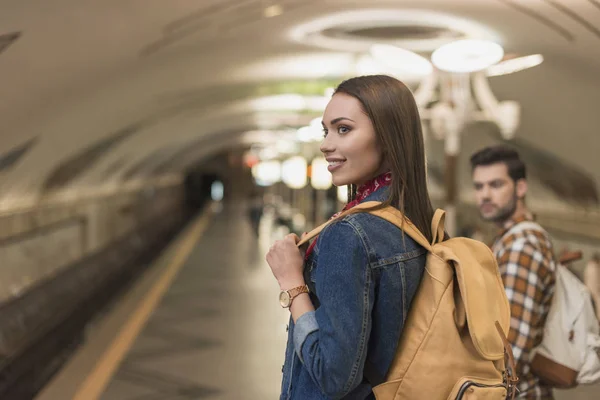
[(219, 332)]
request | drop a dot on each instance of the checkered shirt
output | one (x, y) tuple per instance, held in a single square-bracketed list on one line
[(528, 269)]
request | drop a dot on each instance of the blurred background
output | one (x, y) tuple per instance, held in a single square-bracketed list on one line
[(124, 122)]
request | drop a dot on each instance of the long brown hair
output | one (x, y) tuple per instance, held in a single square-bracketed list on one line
[(392, 109)]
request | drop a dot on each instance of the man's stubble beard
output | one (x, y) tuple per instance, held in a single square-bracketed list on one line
[(505, 213)]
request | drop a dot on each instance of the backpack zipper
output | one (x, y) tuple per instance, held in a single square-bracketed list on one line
[(468, 384)]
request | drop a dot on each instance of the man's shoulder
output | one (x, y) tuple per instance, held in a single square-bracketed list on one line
[(530, 240), (527, 233)]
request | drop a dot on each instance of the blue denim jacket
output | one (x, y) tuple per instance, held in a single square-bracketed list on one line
[(364, 277)]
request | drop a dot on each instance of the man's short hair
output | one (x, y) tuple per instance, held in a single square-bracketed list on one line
[(501, 154)]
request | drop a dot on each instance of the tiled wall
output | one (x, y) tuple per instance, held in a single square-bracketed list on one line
[(37, 242)]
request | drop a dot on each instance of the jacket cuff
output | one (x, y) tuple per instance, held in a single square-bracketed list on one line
[(306, 324)]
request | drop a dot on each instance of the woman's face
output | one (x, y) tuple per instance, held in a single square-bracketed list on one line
[(350, 145)]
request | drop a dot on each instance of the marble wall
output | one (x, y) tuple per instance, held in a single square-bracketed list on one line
[(38, 242)]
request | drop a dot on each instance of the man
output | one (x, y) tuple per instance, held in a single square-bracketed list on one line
[(525, 256)]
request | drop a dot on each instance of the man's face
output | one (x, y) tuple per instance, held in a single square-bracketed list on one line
[(495, 192)]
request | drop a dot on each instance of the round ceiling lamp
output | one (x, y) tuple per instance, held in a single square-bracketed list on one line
[(465, 56), (320, 175), (342, 194), (293, 172), (400, 60), (357, 30)]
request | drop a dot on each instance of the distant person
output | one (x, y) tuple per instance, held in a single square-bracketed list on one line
[(255, 211), (525, 256), (592, 281)]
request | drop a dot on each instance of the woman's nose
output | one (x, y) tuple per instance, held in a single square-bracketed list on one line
[(326, 145)]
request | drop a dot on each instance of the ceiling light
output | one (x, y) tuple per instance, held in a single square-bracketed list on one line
[(320, 176), (267, 172), (463, 56), (288, 102), (314, 32), (342, 194), (367, 65), (401, 60), (308, 65), (515, 65), (293, 172), (312, 132), (273, 11), (305, 134)]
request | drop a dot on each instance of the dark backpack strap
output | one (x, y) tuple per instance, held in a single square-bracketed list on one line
[(372, 375)]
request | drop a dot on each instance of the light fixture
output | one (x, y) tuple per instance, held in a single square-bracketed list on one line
[(515, 65), (311, 133), (308, 65), (268, 153), (367, 65), (293, 172), (320, 177), (267, 173), (273, 11), (316, 31), (465, 56), (342, 194), (285, 146), (304, 134), (288, 102), (217, 191), (401, 60), (279, 102)]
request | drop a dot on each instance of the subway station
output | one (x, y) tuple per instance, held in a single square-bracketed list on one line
[(155, 157)]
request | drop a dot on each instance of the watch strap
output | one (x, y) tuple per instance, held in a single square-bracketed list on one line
[(297, 291)]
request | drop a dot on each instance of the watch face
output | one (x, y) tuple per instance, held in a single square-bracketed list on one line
[(284, 299)]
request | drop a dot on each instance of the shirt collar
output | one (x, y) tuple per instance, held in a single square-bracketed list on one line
[(514, 221)]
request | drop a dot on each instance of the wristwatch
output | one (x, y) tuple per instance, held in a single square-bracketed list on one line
[(286, 296)]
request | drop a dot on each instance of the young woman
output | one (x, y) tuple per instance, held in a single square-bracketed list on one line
[(350, 294)]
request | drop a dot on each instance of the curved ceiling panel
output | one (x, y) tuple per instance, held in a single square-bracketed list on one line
[(216, 19), (566, 180), (534, 14), (9, 159), (79, 163), (182, 70), (8, 39)]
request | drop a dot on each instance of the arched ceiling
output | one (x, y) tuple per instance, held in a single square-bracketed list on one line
[(96, 91)]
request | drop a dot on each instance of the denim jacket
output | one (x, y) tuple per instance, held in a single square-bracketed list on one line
[(363, 277)]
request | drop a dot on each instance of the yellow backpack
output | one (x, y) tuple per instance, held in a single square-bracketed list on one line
[(452, 345)]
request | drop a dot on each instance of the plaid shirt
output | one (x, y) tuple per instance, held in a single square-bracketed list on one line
[(527, 266)]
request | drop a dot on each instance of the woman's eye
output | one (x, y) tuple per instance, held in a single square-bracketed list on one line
[(343, 129), (324, 132)]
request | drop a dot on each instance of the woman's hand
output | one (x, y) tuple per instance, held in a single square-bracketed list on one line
[(287, 262)]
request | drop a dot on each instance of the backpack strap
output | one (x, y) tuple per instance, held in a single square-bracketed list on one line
[(391, 215), (395, 217), (511, 379), (437, 226)]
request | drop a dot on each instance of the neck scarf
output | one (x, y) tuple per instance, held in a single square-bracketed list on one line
[(362, 192)]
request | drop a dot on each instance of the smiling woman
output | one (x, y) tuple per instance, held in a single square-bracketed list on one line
[(372, 141)]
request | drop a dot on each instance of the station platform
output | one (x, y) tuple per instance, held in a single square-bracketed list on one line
[(202, 323)]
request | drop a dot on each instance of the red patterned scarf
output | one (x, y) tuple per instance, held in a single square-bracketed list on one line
[(362, 192)]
